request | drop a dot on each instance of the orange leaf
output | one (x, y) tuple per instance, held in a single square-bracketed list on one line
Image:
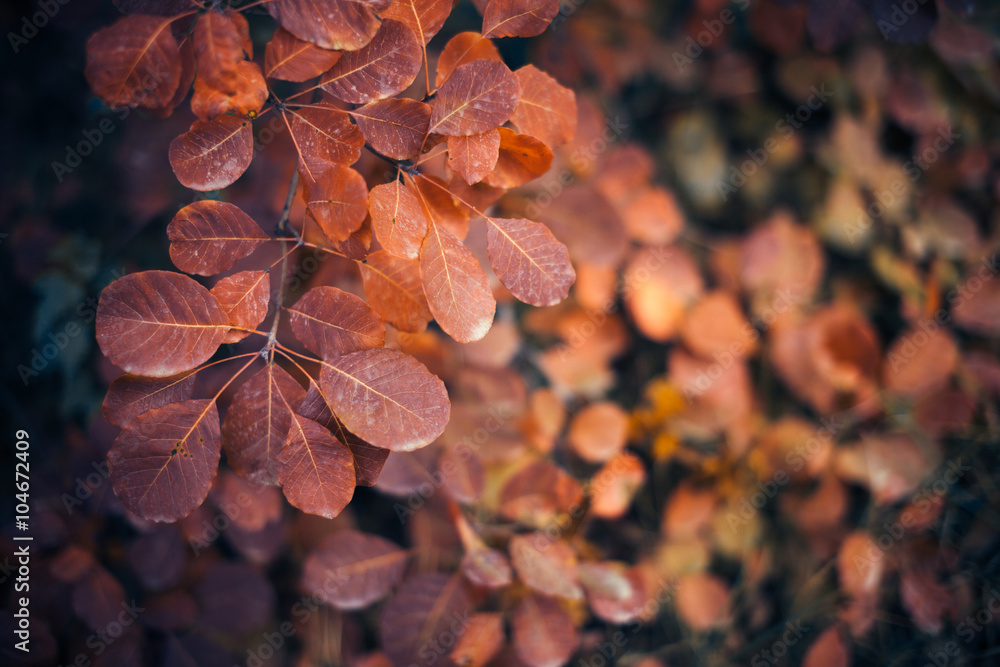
[(543, 633), (463, 48), (398, 219), (158, 323), (382, 68), (529, 261), (545, 110), (244, 296), (338, 201), (331, 322), (213, 154), (291, 59), (474, 156), (134, 62), (209, 237), (476, 98), (394, 291), (323, 134), (518, 18), (315, 470), (423, 17), (521, 160), (395, 128), (163, 463)]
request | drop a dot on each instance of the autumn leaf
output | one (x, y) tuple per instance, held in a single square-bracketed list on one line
[(244, 296), (209, 237), (134, 62), (331, 322), (163, 463), (158, 323), (543, 633), (529, 261), (396, 128), (518, 18), (545, 109), (382, 68), (520, 159), (131, 395), (398, 219), (258, 421), (424, 606), (330, 24), (393, 289), (463, 48), (315, 470), (387, 398), (291, 59), (338, 202), (350, 569), (323, 134), (212, 154), (476, 98), (474, 156)]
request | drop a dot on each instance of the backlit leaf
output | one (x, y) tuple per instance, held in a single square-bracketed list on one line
[(423, 17), (476, 98), (474, 156), (338, 202), (441, 206), (350, 569), (159, 323), (395, 128), (212, 154), (331, 322), (384, 67), (131, 395), (423, 609), (545, 565), (543, 633), (482, 639), (545, 110), (257, 423), (315, 470), (134, 62), (331, 24), (368, 459), (324, 134), (518, 18), (244, 297), (218, 47), (458, 292), (394, 291), (521, 159), (209, 237), (599, 431), (398, 219), (291, 59), (242, 92), (386, 397), (463, 48), (529, 261), (163, 463)]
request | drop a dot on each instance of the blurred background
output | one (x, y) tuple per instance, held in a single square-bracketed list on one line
[(781, 350)]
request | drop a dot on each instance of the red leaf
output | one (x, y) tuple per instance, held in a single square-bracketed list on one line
[(324, 134), (338, 202), (218, 47), (331, 24), (547, 566), (538, 492), (394, 291), (475, 156), (476, 98), (315, 470), (213, 154), (488, 568), (529, 261), (350, 569), (257, 423), (546, 110), (463, 48), (521, 160), (291, 59), (543, 633), (209, 237), (395, 128), (482, 640), (518, 18), (441, 206), (387, 398), (163, 463), (131, 395), (158, 323), (423, 17), (244, 296), (458, 292), (384, 67), (423, 609), (398, 219), (331, 322), (98, 599), (368, 459), (123, 58)]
